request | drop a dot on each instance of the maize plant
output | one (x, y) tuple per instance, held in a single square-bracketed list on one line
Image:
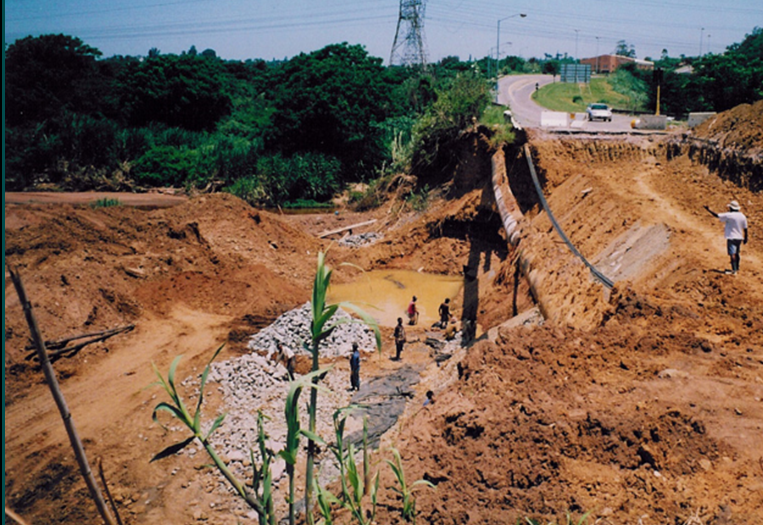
[(354, 485), (261, 500), (322, 327), (294, 432), (405, 491)]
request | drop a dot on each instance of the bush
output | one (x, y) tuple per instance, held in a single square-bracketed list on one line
[(307, 176), (166, 166), (440, 126), (248, 189)]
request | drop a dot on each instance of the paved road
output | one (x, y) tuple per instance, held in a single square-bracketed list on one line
[(516, 91)]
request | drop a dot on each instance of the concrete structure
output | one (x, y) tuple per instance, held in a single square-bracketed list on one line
[(610, 63), (655, 122), (695, 119)]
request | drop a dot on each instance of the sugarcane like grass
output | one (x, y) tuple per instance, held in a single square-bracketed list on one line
[(260, 498), (320, 329), (405, 491), (354, 485)]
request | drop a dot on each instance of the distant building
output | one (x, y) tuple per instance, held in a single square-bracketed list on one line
[(610, 63)]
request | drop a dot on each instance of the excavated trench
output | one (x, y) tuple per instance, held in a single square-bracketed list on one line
[(575, 415)]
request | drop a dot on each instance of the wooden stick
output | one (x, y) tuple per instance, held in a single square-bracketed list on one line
[(340, 230), (58, 397), (60, 343), (15, 517), (76, 348), (107, 491)]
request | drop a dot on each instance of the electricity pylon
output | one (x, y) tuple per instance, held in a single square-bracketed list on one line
[(408, 47)]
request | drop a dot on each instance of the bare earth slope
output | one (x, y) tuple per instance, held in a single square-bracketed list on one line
[(639, 405), (646, 410)]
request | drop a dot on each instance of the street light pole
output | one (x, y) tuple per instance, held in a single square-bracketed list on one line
[(597, 55), (498, 50), (701, 36)]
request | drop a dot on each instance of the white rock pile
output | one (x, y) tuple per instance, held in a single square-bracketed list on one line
[(361, 239), (254, 382), (292, 330)]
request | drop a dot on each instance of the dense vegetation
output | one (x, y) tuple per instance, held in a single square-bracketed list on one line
[(718, 81), (272, 132), (282, 131)]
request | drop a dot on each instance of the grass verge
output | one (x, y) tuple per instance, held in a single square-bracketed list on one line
[(575, 97)]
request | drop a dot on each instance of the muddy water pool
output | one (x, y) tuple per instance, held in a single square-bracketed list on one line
[(385, 294)]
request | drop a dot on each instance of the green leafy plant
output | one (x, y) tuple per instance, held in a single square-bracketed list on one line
[(261, 498), (418, 200), (105, 203), (406, 491), (322, 327), (354, 484), (294, 432)]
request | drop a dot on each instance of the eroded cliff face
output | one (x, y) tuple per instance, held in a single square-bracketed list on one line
[(624, 404)]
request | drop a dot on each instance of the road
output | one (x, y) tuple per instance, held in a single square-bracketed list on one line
[(516, 92)]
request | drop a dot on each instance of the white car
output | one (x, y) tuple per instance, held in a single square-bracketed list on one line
[(599, 111)]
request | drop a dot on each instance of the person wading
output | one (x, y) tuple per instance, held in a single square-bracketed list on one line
[(735, 232), (444, 312), (413, 312)]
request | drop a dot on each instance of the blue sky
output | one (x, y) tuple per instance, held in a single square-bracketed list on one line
[(241, 29)]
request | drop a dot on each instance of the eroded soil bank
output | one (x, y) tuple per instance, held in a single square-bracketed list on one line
[(643, 403)]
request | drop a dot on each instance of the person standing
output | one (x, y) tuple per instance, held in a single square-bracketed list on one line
[(735, 232), (444, 312), (355, 368), (399, 338), (413, 313)]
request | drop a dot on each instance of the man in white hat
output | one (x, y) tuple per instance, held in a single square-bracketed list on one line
[(735, 232)]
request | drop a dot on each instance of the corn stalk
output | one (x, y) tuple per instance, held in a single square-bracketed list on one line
[(261, 500), (354, 484), (322, 327), (408, 510)]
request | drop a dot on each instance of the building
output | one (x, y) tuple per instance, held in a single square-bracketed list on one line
[(610, 63)]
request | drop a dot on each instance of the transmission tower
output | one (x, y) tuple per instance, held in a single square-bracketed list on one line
[(408, 47)]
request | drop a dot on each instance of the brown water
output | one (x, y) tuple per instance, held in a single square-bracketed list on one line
[(385, 294)]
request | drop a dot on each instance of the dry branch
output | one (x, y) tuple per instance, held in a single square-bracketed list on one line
[(60, 349)]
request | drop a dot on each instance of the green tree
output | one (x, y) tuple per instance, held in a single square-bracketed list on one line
[(437, 130), (331, 101), (186, 91), (47, 74), (625, 49)]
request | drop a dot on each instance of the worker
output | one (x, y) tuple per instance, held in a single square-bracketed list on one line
[(444, 312), (355, 368), (413, 312), (735, 232), (399, 338)]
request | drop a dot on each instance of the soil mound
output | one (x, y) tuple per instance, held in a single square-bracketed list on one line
[(738, 128)]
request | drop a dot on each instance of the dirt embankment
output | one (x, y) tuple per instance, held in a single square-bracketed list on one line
[(209, 271), (643, 404), (729, 144)]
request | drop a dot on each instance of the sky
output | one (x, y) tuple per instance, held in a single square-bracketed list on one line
[(277, 29)]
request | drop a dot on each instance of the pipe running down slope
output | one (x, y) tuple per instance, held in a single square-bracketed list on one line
[(603, 279)]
